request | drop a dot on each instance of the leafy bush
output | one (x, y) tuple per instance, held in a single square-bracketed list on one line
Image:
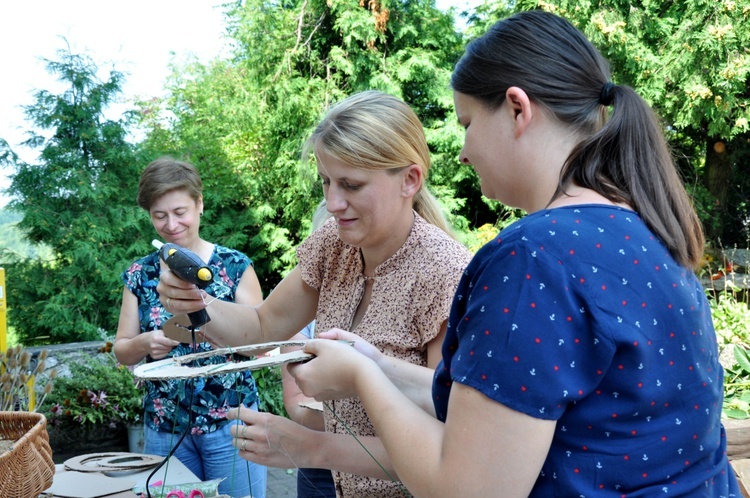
[(732, 322), (270, 390), (99, 391)]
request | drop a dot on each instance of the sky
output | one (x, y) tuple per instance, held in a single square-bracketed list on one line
[(138, 38)]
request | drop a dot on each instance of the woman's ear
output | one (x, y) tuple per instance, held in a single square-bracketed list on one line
[(519, 105), (413, 179)]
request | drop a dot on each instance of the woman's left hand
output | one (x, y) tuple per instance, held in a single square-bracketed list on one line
[(333, 373), (268, 439), (358, 343)]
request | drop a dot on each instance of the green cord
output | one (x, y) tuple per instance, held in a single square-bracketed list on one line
[(398, 483)]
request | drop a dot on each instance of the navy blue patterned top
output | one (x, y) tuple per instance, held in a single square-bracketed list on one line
[(167, 403), (580, 315)]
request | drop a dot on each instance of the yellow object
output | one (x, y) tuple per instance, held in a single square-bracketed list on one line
[(205, 274), (3, 322), (32, 393)]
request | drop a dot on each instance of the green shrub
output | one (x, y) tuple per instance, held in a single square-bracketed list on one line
[(98, 391), (732, 322), (270, 390)]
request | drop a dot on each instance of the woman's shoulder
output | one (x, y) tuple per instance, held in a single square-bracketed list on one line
[(144, 263), (229, 253), (142, 270), (231, 257), (438, 246), (436, 236), (325, 236), (563, 223), (571, 235)]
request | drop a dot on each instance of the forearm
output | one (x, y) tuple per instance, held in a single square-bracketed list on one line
[(232, 324), (365, 455), (483, 446), (408, 433), (131, 350), (414, 381), (293, 399), (282, 314)]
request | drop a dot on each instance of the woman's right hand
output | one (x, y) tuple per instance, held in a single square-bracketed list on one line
[(159, 345), (178, 296), (334, 371)]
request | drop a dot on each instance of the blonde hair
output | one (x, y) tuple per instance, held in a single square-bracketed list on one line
[(373, 130), (320, 215)]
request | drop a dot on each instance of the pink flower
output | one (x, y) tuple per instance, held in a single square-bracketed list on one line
[(98, 400), (159, 406), (218, 412), (224, 277), (156, 315)]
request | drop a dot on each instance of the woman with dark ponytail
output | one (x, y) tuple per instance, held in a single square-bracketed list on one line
[(580, 357)]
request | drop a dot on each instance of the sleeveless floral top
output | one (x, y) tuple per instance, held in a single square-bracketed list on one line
[(167, 404)]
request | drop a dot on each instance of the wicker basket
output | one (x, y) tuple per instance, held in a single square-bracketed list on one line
[(26, 469)]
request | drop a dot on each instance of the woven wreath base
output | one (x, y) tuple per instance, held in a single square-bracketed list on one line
[(26, 469)]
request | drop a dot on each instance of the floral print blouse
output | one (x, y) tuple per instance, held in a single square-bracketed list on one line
[(411, 296), (200, 403)]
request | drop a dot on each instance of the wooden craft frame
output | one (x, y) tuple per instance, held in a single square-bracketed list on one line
[(112, 462), (176, 368)]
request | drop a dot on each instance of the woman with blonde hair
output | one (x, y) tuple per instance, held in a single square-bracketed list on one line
[(384, 267)]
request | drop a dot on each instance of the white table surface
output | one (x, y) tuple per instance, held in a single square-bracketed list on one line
[(175, 470)]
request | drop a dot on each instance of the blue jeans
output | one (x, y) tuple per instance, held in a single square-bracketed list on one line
[(315, 483), (212, 456)]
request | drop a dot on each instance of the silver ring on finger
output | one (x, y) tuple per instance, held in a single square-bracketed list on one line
[(169, 303), (244, 427), (242, 446)]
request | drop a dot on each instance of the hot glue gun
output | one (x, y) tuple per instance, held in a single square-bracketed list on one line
[(191, 268)]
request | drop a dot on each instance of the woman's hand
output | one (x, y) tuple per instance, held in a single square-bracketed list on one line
[(360, 344), (268, 439), (178, 296), (334, 371), (159, 345)]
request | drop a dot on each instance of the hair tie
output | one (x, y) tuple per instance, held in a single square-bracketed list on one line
[(607, 95)]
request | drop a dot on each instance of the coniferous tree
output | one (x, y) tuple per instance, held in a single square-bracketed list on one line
[(79, 201), (243, 120), (690, 61)]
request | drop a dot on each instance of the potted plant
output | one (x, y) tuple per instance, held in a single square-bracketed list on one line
[(92, 408)]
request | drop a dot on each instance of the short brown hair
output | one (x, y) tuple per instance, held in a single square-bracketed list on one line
[(165, 175)]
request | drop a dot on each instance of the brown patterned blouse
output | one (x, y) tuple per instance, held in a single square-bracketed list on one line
[(411, 297)]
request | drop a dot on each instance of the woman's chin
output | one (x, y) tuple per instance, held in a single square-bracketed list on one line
[(349, 237)]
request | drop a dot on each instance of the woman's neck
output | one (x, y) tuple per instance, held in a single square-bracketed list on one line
[(202, 248), (375, 256), (576, 195)]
